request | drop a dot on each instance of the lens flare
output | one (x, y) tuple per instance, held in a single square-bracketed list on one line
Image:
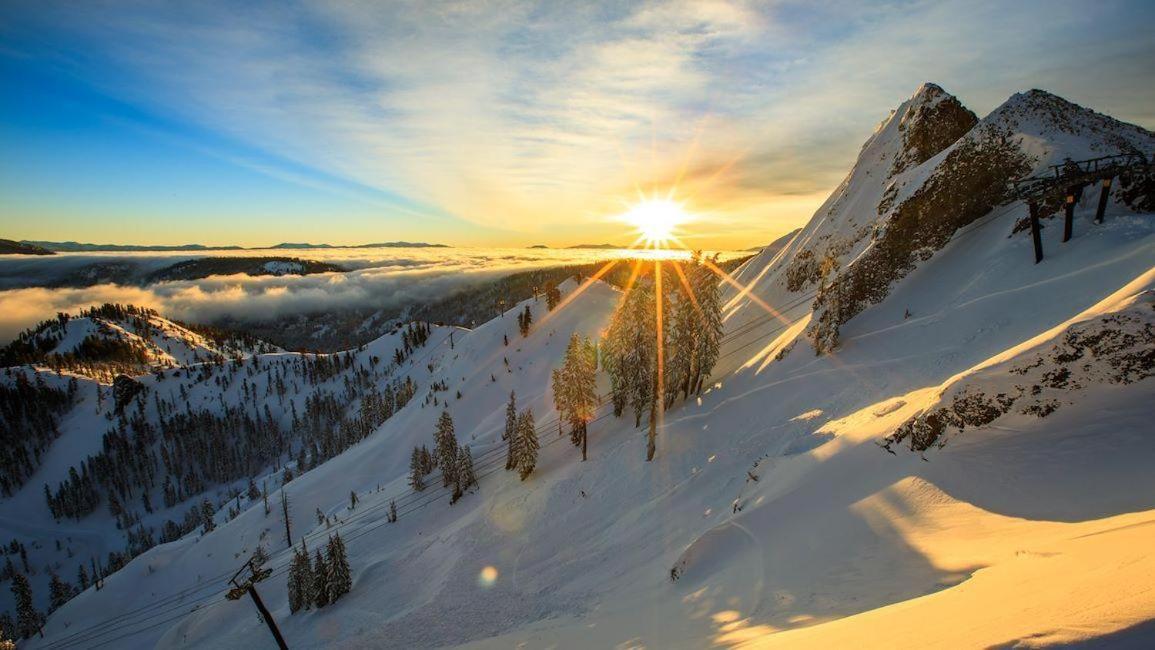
[(487, 578)]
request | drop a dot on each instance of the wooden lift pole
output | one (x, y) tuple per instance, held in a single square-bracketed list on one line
[(248, 585), (1036, 235), (1104, 194)]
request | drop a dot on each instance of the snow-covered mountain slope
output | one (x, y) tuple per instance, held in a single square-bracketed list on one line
[(772, 513), (104, 341), (126, 468)]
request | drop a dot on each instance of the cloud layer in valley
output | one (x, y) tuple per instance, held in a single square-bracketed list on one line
[(378, 281)]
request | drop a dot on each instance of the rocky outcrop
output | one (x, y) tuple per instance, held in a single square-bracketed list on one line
[(1114, 348)]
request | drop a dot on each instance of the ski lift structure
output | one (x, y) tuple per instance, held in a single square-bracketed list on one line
[(1067, 181)]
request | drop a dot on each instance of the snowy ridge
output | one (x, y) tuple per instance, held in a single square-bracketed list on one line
[(108, 340)]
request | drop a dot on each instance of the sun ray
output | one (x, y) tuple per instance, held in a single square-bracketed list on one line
[(581, 288), (689, 290), (632, 279), (690, 151), (660, 378), (741, 288)]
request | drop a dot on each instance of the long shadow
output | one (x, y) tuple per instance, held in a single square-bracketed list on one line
[(1140, 636)]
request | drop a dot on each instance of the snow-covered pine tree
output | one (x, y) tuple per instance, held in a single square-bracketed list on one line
[(527, 444), (300, 580), (392, 511), (338, 580), (470, 477), (465, 476), (709, 335), (630, 351), (552, 296), (207, 513), (320, 582), (28, 620), (416, 471), (446, 448), (59, 592), (510, 433), (575, 388), (682, 324), (612, 357)]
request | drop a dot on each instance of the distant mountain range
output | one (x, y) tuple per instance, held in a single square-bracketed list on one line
[(77, 247), (388, 244), (9, 247)]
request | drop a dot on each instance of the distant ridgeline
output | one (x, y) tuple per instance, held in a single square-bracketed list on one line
[(112, 339), (9, 247), (128, 271)]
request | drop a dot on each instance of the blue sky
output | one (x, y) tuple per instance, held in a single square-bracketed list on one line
[(485, 123)]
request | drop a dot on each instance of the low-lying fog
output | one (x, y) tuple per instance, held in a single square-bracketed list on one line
[(34, 288)]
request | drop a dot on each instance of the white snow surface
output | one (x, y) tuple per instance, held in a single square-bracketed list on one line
[(770, 498)]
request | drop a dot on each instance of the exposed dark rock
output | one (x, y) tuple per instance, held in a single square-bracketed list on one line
[(124, 388)]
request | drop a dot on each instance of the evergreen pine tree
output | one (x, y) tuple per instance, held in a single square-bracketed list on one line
[(630, 357), (709, 339), (320, 583), (464, 476), (82, 577), (207, 513), (446, 449), (300, 580), (416, 471), (338, 580), (510, 434), (575, 388), (59, 592), (28, 620), (392, 511), (552, 296), (527, 444), (465, 468)]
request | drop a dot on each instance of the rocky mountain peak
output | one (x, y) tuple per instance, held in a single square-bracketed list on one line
[(933, 120)]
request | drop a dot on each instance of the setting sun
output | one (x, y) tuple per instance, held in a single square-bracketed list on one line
[(656, 220)]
